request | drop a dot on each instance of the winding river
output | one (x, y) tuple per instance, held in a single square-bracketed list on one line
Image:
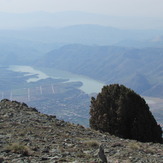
[(88, 85)]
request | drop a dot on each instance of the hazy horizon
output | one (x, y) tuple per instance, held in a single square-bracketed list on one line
[(69, 18), (126, 14), (151, 8)]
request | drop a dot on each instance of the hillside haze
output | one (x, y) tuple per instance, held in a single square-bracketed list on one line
[(68, 18), (139, 69), (86, 34), (106, 48)]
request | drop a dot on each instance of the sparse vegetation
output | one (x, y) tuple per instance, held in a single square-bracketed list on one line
[(134, 145), (19, 148), (92, 143)]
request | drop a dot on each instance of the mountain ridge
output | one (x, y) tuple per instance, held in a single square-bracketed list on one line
[(110, 64)]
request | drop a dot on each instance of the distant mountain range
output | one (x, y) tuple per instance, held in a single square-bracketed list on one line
[(85, 34), (140, 69), (69, 18), (28, 45), (112, 55)]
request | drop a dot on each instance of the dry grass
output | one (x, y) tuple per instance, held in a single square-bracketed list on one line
[(149, 150), (92, 143), (134, 145), (18, 148), (80, 154)]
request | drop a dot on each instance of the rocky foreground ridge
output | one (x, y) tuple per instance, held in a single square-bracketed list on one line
[(29, 136)]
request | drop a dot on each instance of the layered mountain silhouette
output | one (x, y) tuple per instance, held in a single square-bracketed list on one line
[(139, 69)]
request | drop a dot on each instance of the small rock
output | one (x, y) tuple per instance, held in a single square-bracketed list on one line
[(1, 159), (102, 154), (44, 158)]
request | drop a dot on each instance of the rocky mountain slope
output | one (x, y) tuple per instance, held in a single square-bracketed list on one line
[(29, 136)]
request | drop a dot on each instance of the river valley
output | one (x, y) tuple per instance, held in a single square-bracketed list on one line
[(61, 93)]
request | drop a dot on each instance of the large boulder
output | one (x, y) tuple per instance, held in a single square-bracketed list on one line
[(121, 112)]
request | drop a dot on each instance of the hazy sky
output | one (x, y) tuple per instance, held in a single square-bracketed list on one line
[(150, 8)]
